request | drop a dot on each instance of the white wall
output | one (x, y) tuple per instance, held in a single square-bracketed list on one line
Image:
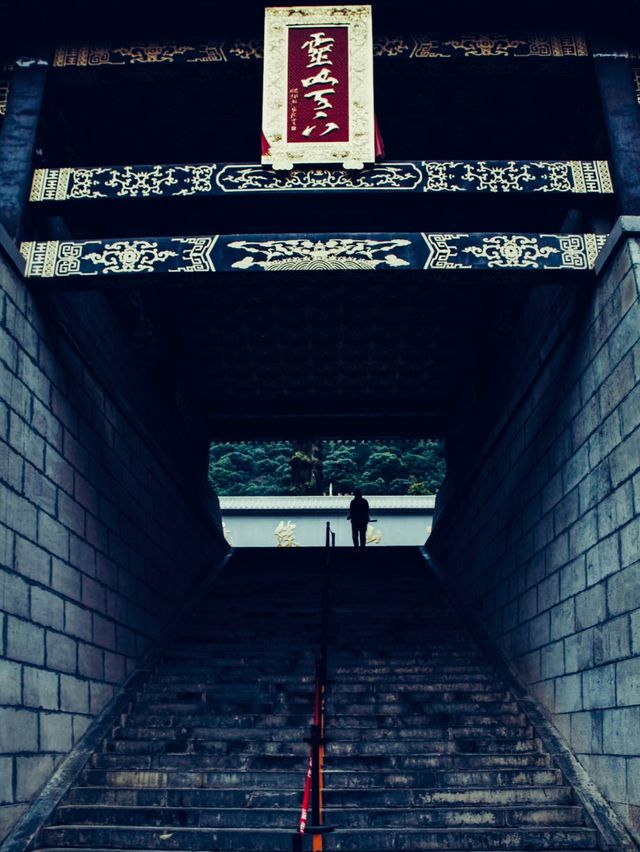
[(250, 529)]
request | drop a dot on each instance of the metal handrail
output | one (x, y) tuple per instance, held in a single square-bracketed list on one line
[(313, 779)]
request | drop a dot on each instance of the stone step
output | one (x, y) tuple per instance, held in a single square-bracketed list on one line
[(239, 653), (409, 674), (437, 746), (433, 700), (276, 703), (470, 839), (455, 760), (248, 733), (212, 705), (399, 628), (431, 689), (265, 689), (241, 630), (196, 651), (399, 631), (205, 716), (231, 604), (238, 758), (394, 719), (192, 744), (381, 654), (236, 720), (306, 845), (338, 797), (420, 706), (188, 677), (426, 710), (255, 779), (208, 727), (333, 779), (187, 797), (351, 642), (152, 740), (452, 692), (439, 817), (436, 732), (249, 650), (417, 720), (390, 704), (178, 838), (198, 691), (433, 797), (359, 674), (262, 817), (206, 678), (361, 714), (234, 759)]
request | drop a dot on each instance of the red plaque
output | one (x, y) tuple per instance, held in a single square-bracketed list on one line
[(318, 84)]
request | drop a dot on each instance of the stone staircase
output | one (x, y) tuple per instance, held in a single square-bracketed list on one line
[(426, 748)]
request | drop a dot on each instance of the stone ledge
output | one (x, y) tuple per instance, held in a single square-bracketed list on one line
[(625, 227)]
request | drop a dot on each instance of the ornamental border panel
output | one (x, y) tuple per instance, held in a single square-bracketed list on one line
[(533, 45), (151, 53), (433, 176), (64, 259)]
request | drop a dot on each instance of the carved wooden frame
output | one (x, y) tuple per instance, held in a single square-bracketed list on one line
[(360, 148)]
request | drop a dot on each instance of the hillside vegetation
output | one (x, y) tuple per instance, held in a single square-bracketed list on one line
[(390, 467)]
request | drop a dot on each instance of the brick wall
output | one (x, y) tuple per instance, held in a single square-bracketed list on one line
[(106, 522), (539, 522)]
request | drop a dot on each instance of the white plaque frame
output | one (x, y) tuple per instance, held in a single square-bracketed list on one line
[(360, 148)]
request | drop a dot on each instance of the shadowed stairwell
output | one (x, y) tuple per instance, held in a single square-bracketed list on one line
[(426, 748)]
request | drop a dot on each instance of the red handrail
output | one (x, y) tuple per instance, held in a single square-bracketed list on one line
[(312, 794), (318, 722), (306, 795)]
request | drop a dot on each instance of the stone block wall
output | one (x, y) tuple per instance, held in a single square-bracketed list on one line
[(538, 524), (106, 523)]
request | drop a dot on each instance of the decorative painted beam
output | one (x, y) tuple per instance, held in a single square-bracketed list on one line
[(182, 180), (303, 252), (429, 46), (481, 45), (636, 83)]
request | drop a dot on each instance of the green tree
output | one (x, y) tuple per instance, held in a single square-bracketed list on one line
[(385, 465), (282, 467)]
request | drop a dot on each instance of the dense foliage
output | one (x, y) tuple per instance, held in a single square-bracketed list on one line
[(392, 467)]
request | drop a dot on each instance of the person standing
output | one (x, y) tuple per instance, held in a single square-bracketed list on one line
[(359, 517)]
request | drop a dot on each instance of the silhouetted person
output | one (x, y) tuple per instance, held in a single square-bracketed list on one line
[(359, 517)]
